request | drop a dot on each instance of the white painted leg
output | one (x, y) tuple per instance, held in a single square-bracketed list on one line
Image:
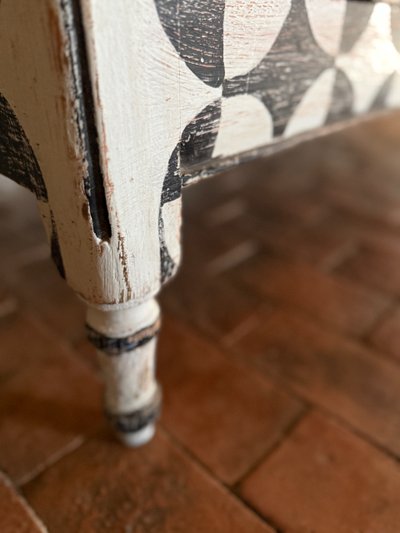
[(126, 341)]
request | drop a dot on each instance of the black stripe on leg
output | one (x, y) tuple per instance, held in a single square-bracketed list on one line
[(139, 419), (117, 345)]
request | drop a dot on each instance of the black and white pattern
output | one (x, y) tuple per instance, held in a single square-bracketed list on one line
[(18, 162), (282, 68), (17, 158), (328, 60), (191, 87)]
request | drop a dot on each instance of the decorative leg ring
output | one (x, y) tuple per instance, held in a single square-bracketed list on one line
[(126, 341), (137, 427)]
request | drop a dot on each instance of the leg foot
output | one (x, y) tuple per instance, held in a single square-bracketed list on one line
[(138, 438), (126, 340)]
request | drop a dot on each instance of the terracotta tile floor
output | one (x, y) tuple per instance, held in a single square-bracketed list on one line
[(279, 358)]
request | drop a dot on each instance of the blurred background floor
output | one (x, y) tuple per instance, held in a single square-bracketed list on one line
[(279, 360)]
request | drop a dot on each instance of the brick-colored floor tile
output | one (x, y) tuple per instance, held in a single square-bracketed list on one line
[(295, 173), (208, 253), (386, 335), (374, 268), (336, 301), (214, 305), (48, 399), (43, 292), (197, 201), (15, 514), (305, 208), (105, 487), (325, 479), (361, 231), (22, 345), (365, 204), (357, 385), (8, 303), (287, 238), (362, 194), (227, 416)]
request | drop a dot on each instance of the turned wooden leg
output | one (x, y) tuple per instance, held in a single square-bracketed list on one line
[(126, 341)]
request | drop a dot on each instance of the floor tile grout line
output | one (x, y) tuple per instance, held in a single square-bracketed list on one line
[(361, 338), (286, 385), (291, 427), (20, 486), (208, 472), (54, 459), (288, 388), (329, 416), (348, 334), (350, 250), (365, 339), (228, 350), (27, 505), (195, 459), (359, 434), (74, 445), (268, 520)]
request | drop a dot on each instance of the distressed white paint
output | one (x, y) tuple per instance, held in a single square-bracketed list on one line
[(123, 322), (245, 125), (326, 19), (250, 30), (130, 376), (308, 115), (146, 96), (130, 379), (372, 59), (36, 79)]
